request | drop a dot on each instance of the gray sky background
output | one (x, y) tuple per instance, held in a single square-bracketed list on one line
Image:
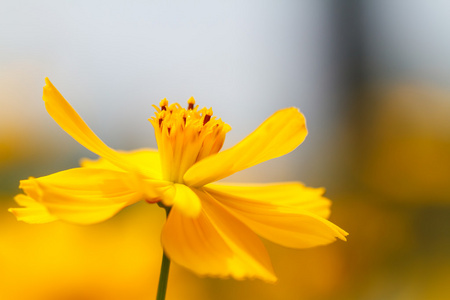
[(246, 59)]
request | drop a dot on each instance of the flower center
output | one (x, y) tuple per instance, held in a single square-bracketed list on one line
[(185, 136)]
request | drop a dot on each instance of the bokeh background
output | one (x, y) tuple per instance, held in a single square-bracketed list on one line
[(372, 78)]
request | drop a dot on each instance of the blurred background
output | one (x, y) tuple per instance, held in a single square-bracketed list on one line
[(372, 78)]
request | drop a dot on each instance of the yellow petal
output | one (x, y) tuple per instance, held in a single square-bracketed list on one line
[(215, 244), (147, 159), (83, 195), (283, 194), (32, 212), (279, 134), (286, 214), (184, 199), (68, 119)]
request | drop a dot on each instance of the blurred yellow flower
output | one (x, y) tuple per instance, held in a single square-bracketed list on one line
[(211, 227), (62, 261)]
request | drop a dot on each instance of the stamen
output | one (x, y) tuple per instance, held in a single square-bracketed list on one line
[(208, 115), (185, 136), (206, 119), (161, 116), (173, 107), (191, 103), (163, 104), (184, 117)]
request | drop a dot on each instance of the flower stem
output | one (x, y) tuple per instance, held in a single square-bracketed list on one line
[(163, 276), (164, 273)]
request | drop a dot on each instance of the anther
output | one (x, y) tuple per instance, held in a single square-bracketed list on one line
[(191, 103), (184, 117), (206, 119), (208, 115), (173, 107), (161, 116), (163, 104)]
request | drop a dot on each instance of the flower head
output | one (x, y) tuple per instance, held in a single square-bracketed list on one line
[(186, 136), (212, 228)]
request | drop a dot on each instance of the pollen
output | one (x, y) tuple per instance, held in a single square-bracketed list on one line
[(186, 136)]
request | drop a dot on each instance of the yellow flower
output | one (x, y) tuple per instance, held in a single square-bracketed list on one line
[(212, 228)]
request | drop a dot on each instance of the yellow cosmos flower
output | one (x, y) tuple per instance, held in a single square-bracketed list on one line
[(212, 228)]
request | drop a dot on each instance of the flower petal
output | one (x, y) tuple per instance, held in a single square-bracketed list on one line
[(32, 212), (84, 195), (283, 194), (287, 214), (278, 135), (215, 244), (148, 160), (183, 198), (68, 119)]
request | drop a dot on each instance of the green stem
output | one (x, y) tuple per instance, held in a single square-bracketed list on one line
[(164, 274)]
